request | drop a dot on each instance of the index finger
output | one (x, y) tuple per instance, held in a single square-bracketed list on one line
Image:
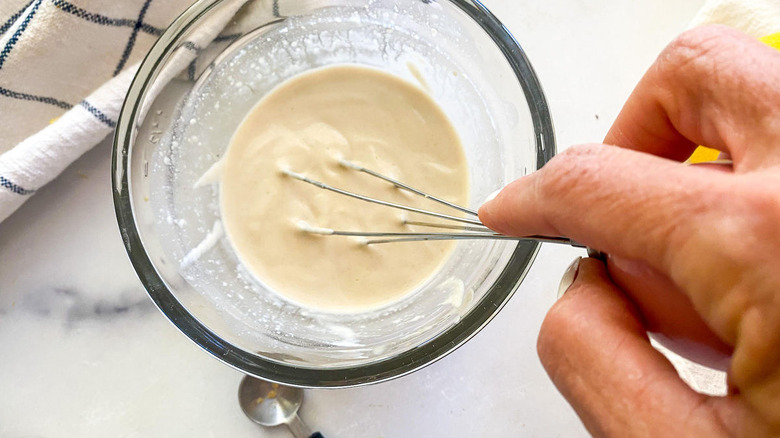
[(623, 202)]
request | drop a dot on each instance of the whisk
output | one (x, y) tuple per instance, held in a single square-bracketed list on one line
[(467, 228)]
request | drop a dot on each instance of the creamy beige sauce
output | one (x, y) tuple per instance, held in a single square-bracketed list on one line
[(305, 125)]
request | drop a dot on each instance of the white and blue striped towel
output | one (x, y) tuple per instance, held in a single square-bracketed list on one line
[(65, 67)]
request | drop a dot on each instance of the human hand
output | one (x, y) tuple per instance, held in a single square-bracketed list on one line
[(707, 239)]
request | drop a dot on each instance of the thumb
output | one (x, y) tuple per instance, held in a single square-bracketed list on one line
[(595, 349)]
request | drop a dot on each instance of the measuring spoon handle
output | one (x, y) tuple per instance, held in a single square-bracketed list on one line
[(299, 429)]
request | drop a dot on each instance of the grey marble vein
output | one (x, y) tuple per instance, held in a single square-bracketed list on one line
[(71, 306)]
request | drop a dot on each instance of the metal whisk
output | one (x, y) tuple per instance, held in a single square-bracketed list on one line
[(470, 228)]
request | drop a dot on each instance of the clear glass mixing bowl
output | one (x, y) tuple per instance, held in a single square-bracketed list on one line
[(193, 89)]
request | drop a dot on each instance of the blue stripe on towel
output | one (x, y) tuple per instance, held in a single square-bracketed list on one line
[(98, 114), (228, 37), (190, 45), (131, 41), (151, 30), (42, 99), (191, 70), (18, 33), (14, 17), (102, 19), (8, 184)]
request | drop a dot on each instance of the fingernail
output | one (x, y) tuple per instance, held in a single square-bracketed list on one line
[(485, 211), (569, 276), (486, 204), (491, 196)]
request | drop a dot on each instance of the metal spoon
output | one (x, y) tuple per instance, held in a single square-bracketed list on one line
[(270, 404)]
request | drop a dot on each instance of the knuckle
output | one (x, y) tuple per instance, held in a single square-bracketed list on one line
[(699, 48), (568, 169), (740, 234), (762, 205), (766, 202)]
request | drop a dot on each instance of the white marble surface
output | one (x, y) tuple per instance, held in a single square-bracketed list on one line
[(84, 353)]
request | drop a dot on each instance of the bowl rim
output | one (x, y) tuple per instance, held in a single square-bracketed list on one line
[(407, 362)]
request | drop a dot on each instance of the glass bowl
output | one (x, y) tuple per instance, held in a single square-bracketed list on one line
[(193, 89)]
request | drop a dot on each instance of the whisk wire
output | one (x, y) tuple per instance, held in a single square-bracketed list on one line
[(322, 185), (481, 228), (474, 230), (359, 168)]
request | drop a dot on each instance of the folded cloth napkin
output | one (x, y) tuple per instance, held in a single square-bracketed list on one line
[(65, 67)]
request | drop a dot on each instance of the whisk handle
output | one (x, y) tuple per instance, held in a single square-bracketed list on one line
[(593, 253), (556, 239)]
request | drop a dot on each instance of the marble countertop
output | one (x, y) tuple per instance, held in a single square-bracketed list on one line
[(85, 353)]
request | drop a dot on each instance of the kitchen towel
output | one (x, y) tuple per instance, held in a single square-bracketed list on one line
[(65, 67)]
